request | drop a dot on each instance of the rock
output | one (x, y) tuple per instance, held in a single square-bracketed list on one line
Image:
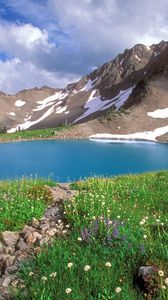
[(22, 246), (52, 212), (9, 261), (35, 223), (143, 271), (20, 256), (11, 269), (44, 227), (6, 281), (146, 281), (51, 232), (9, 238), (9, 250), (31, 236)]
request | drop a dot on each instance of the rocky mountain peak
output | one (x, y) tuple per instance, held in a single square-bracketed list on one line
[(117, 83)]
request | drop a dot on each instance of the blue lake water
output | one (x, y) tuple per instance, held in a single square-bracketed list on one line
[(72, 160)]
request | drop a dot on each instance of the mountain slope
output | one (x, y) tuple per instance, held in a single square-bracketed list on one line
[(136, 80)]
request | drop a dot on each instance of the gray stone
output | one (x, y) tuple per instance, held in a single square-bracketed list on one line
[(44, 227), (144, 271), (52, 212), (6, 281), (9, 238), (22, 246), (11, 269), (9, 261), (31, 238), (51, 232)]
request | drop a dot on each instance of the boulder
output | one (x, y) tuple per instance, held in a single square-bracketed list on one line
[(9, 238)]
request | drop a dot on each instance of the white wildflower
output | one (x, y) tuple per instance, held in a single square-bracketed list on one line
[(44, 278), (54, 274), (118, 290), (108, 264), (161, 273), (69, 265), (68, 291), (86, 268)]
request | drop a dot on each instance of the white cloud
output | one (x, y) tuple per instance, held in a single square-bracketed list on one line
[(23, 39), (71, 37), (16, 75)]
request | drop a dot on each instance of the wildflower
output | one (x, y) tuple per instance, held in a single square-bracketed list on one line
[(86, 268), (79, 239), (118, 217), (145, 236), (68, 291), (31, 274), (108, 264), (163, 287), (69, 265), (161, 273), (166, 281), (53, 274), (142, 222), (118, 290), (44, 278)]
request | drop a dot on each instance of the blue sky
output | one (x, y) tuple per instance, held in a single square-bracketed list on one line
[(54, 42)]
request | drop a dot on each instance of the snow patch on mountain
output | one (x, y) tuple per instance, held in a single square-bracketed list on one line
[(28, 124), (19, 103), (122, 97), (11, 114), (137, 57), (146, 135), (159, 113), (51, 100), (95, 103), (60, 109), (87, 86)]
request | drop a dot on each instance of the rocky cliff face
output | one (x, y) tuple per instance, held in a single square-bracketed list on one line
[(136, 79)]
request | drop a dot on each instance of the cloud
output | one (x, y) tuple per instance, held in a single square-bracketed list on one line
[(16, 75), (70, 38)]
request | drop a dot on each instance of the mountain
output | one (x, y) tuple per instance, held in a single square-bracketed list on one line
[(135, 82)]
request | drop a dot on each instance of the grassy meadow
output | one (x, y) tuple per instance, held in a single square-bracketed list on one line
[(33, 134), (21, 200), (116, 225)]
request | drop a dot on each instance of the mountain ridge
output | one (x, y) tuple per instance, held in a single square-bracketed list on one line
[(124, 82)]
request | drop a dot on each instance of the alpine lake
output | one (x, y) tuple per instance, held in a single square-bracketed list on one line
[(71, 160)]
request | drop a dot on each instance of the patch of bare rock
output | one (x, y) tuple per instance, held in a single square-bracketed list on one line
[(16, 247)]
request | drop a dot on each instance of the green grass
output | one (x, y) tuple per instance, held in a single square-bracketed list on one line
[(21, 200), (122, 222), (32, 134)]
